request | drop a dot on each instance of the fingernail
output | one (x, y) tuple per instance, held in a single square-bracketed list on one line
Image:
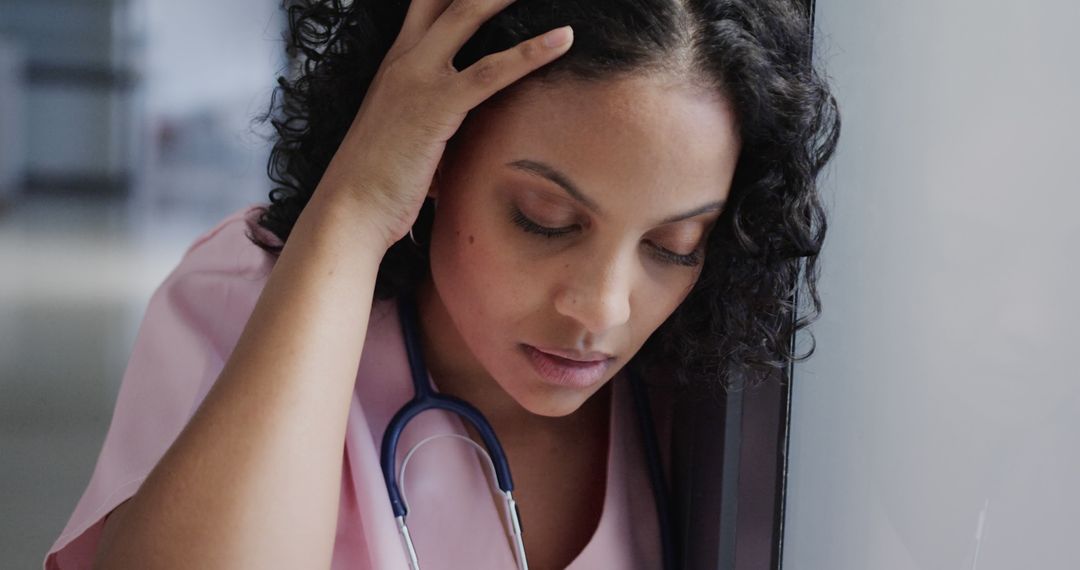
[(558, 37)]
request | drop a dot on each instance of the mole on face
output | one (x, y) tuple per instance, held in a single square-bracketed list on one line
[(471, 239)]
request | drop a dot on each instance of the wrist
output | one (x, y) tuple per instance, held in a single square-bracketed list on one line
[(352, 215)]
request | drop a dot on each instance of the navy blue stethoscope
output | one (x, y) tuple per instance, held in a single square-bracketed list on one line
[(425, 399)]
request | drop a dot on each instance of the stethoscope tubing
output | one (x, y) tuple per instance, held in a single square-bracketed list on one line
[(656, 471), (425, 398)]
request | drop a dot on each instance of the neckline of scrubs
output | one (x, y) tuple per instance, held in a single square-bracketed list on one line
[(461, 430)]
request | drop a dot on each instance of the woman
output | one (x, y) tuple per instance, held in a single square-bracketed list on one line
[(555, 202)]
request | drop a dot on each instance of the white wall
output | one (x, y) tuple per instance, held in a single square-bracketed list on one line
[(210, 68), (945, 390), (201, 53)]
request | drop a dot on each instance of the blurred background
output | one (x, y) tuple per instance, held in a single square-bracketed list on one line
[(127, 128)]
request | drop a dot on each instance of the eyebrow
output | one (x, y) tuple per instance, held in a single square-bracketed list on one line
[(549, 172)]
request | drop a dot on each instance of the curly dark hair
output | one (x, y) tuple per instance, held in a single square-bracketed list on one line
[(736, 327)]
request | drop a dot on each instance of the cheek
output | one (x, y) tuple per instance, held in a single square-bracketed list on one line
[(475, 270), (660, 298)]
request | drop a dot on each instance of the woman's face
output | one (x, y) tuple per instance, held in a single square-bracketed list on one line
[(569, 225)]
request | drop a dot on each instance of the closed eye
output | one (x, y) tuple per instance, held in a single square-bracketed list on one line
[(532, 227), (661, 253), (688, 259)]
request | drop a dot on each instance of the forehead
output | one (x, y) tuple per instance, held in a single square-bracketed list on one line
[(640, 138)]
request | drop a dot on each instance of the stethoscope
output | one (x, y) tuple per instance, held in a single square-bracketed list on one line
[(425, 398)]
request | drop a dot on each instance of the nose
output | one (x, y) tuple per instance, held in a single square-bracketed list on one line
[(596, 292)]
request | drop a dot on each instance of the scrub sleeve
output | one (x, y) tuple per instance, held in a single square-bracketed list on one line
[(190, 327)]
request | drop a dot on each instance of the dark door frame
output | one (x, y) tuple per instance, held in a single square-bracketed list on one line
[(729, 459)]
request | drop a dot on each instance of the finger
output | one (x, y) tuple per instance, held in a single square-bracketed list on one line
[(455, 26), (418, 20), (495, 72)]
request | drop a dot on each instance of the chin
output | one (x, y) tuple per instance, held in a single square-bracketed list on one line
[(553, 405)]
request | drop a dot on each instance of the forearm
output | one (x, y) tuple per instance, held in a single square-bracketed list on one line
[(253, 479)]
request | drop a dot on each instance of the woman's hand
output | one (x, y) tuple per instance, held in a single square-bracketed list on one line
[(417, 101)]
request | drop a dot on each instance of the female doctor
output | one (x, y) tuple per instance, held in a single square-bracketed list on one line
[(550, 193)]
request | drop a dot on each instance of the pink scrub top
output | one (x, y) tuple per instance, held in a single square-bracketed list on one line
[(190, 327)]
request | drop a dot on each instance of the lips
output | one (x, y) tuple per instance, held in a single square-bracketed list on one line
[(567, 368), (575, 356)]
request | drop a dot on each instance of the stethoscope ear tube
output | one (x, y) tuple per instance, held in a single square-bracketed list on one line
[(388, 451), (388, 455), (425, 398)]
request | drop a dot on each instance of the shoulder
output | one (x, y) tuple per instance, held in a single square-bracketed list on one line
[(214, 287), (228, 245)]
